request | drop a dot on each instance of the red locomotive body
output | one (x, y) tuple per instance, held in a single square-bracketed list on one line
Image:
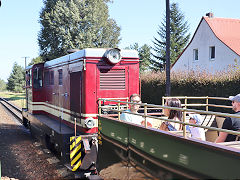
[(65, 91)]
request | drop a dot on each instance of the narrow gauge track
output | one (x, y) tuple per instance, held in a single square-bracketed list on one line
[(14, 110), (36, 162)]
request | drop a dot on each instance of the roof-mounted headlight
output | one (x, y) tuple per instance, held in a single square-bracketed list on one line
[(113, 55)]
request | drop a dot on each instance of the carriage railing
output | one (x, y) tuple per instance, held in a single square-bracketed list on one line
[(184, 110), (115, 104), (206, 98)]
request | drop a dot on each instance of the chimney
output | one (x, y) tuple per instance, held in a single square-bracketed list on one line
[(210, 15)]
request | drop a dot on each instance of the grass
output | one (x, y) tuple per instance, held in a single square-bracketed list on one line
[(17, 99)]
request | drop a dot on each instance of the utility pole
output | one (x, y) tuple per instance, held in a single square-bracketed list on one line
[(25, 61), (26, 97), (168, 83)]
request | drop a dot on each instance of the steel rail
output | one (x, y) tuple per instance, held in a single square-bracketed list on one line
[(14, 110)]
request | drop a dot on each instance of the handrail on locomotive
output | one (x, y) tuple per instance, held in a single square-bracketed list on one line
[(121, 107)]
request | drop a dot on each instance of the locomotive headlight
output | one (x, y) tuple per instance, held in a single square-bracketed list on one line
[(113, 55), (90, 122)]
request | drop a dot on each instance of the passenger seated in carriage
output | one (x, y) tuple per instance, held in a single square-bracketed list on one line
[(172, 114), (196, 132), (231, 123), (132, 118)]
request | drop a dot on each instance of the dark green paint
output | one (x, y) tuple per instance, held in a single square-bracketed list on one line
[(197, 157)]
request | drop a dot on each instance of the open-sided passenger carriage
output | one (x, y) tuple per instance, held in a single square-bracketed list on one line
[(169, 154)]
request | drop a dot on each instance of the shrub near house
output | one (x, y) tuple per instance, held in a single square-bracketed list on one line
[(222, 84)]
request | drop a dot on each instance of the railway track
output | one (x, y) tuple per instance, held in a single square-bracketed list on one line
[(23, 157), (14, 110)]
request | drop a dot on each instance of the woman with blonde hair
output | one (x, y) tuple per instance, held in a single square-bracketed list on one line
[(172, 114)]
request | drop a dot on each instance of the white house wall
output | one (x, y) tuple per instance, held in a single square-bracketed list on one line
[(203, 40)]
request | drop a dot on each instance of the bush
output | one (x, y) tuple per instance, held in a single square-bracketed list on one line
[(220, 84)]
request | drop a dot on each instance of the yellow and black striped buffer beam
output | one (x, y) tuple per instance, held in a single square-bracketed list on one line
[(75, 152)]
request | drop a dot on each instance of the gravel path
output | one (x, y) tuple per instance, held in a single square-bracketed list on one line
[(22, 157)]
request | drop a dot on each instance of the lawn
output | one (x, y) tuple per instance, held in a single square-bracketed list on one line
[(17, 99)]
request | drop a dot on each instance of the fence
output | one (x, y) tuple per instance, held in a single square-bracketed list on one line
[(121, 105)]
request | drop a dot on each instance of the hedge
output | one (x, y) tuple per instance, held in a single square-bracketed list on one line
[(221, 84)]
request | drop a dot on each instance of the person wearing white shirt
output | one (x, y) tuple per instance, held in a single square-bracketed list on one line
[(196, 132), (133, 118)]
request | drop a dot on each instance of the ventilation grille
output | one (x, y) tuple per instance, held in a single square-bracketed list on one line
[(112, 79)]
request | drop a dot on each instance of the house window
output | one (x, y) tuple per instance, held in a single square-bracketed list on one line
[(212, 52), (195, 54), (60, 77)]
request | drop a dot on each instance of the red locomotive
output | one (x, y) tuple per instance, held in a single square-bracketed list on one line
[(63, 93)]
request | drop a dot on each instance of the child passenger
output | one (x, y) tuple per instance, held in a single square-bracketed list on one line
[(196, 132)]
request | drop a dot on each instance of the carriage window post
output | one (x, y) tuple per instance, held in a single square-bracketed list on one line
[(118, 110), (145, 114), (185, 102), (184, 126), (99, 107), (163, 100), (207, 103)]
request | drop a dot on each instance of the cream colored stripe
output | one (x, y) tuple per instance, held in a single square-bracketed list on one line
[(65, 116), (61, 109), (53, 106)]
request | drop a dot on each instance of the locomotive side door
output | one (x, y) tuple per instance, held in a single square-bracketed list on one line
[(75, 91)]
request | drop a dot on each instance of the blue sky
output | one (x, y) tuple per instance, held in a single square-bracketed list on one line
[(138, 19)]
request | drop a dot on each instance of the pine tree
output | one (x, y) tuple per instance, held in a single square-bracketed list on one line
[(75, 24), (16, 80), (179, 38), (144, 55)]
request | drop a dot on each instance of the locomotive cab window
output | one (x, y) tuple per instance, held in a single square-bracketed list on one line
[(37, 77)]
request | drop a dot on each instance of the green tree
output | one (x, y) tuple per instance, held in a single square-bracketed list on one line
[(144, 55), (179, 38), (2, 85), (36, 60), (16, 80), (75, 24)]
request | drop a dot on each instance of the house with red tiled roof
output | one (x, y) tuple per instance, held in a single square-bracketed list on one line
[(215, 46)]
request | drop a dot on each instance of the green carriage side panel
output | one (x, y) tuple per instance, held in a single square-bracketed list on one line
[(202, 158), (193, 155), (114, 129)]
